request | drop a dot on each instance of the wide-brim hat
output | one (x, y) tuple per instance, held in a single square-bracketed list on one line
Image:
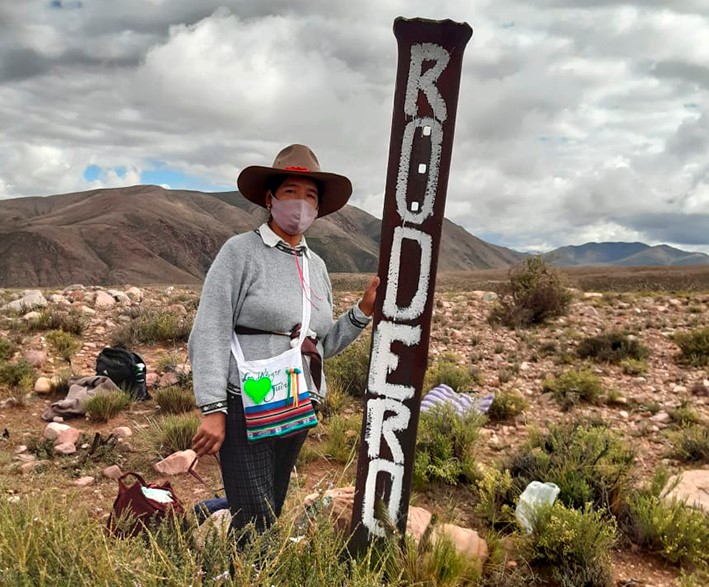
[(296, 160)]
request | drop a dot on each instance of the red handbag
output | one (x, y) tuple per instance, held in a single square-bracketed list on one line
[(141, 505)]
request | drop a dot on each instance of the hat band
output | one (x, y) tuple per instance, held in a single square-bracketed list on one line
[(295, 168)]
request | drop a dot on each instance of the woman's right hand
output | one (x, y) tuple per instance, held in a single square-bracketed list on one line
[(210, 434)]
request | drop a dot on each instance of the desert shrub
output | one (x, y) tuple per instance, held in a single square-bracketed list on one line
[(575, 386), (496, 494), (534, 294), (447, 371), (349, 369), (335, 400), (63, 344), (694, 346), (691, 444), (634, 366), (175, 400), (615, 397), (174, 432), (506, 405), (152, 327), (444, 447), (7, 348), (17, 376), (51, 319), (572, 547), (104, 406), (670, 529), (342, 436), (697, 578), (684, 414), (590, 464), (612, 347)]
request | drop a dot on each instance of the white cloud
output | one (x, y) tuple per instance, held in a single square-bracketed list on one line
[(578, 120)]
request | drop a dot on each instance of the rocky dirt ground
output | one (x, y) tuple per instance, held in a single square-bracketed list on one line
[(501, 359)]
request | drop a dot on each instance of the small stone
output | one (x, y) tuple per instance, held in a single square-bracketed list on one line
[(43, 386), (122, 432), (134, 293), (151, 379), (168, 379), (104, 300), (84, 481), (13, 499), (112, 472), (20, 449), (119, 296), (30, 300), (30, 466), (662, 418), (68, 436), (87, 311), (35, 358), (178, 309), (67, 448), (177, 463), (53, 430), (30, 316), (10, 402), (679, 389), (623, 414), (592, 295), (58, 419), (490, 296)]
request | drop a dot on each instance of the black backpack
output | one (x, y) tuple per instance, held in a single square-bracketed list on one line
[(125, 369)]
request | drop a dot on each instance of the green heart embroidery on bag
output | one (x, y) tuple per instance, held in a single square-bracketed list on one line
[(257, 389)]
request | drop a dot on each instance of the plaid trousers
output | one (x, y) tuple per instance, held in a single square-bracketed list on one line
[(256, 474)]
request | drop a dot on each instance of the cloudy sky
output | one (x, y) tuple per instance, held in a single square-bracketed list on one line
[(578, 120)]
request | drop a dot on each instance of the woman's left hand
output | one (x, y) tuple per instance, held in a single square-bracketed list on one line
[(366, 304)]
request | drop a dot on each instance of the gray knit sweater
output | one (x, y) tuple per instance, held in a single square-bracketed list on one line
[(254, 282)]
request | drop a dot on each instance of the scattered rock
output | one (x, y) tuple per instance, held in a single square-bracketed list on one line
[(135, 294), (592, 295), (53, 430), (178, 309), (21, 449), (103, 299), (68, 436), (168, 379), (693, 488), (467, 542), (679, 389), (87, 311), (58, 419), (68, 448), (30, 466), (10, 402), (30, 300), (84, 481), (416, 523), (43, 386), (662, 418), (490, 296), (74, 287), (177, 463), (122, 432), (118, 296), (112, 472), (151, 379), (31, 316), (623, 414), (35, 358), (58, 299)]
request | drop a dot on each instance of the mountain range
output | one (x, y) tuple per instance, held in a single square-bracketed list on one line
[(150, 235)]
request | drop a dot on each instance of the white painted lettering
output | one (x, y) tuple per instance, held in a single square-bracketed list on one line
[(384, 362), (426, 82), (396, 472), (379, 427)]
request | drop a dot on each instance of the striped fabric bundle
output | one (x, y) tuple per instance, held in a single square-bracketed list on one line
[(462, 402)]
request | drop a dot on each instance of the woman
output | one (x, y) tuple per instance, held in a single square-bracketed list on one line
[(255, 287)]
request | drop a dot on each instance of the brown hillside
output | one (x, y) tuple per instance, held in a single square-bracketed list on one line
[(147, 234)]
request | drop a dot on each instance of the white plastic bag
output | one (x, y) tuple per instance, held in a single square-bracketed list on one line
[(535, 495)]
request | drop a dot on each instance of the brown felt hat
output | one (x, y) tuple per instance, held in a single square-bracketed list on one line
[(296, 160)]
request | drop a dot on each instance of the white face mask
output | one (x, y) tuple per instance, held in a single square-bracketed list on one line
[(293, 216)]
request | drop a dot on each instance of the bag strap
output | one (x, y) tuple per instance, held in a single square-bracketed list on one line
[(305, 320), (131, 474)]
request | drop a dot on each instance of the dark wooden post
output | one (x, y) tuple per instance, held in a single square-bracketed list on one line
[(425, 105)]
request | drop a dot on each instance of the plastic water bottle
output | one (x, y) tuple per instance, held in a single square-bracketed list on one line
[(535, 495)]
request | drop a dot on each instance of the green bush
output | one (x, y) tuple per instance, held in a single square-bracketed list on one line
[(447, 371), (17, 376), (104, 406), (694, 346), (691, 444), (342, 436), (506, 405), (444, 447), (175, 400), (612, 347), (51, 319), (7, 348), (573, 387), (672, 530), (174, 432), (572, 547), (534, 294), (684, 414), (496, 498), (590, 464), (634, 366), (152, 327), (349, 369), (63, 344)]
